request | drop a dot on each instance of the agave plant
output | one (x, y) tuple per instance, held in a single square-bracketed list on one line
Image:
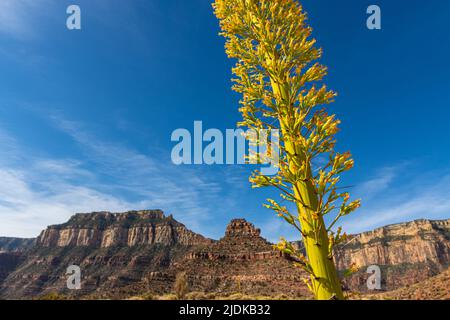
[(279, 78)]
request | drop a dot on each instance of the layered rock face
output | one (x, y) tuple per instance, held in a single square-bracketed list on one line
[(113, 250), (104, 229), (240, 228), (406, 252), (421, 241)]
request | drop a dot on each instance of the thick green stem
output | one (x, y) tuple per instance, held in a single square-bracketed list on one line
[(325, 281)]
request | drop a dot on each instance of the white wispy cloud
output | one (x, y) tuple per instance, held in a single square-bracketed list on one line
[(18, 17), (394, 197), (29, 203), (274, 227), (154, 178), (12, 19), (382, 180), (389, 196), (36, 191)]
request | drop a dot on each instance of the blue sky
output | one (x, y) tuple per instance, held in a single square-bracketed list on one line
[(86, 116)]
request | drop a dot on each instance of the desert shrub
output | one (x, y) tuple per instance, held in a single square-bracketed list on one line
[(148, 296), (196, 295), (211, 296), (235, 296), (168, 297), (181, 285), (52, 296)]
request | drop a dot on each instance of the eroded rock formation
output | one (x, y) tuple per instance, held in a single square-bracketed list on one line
[(421, 241), (242, 261), (104, 229), (406, 252), (113, 250)]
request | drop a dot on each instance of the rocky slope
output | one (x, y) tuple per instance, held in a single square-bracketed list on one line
[(242, 261), (434, 288)]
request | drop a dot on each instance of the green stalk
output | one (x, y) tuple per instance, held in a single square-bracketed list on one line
[(276, 72), (325, 281)]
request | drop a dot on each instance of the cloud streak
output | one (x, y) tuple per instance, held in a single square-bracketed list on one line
[(17, 17), (162, 183), (106, 175), (28, 203), (37, 191), (390, 196), (386, 201)]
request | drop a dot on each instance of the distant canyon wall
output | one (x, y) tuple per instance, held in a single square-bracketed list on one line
[(105, 230), (421, 241)]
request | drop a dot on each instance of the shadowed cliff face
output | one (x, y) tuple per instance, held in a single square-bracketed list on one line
[(9, 261), (15, 244), (142, 251), (12, 254)]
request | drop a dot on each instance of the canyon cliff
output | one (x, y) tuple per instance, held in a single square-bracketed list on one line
[(105, 229), (406, 253), (113, 250), (420, 241)]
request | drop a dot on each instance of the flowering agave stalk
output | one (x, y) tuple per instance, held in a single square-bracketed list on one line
[(278, 75)]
